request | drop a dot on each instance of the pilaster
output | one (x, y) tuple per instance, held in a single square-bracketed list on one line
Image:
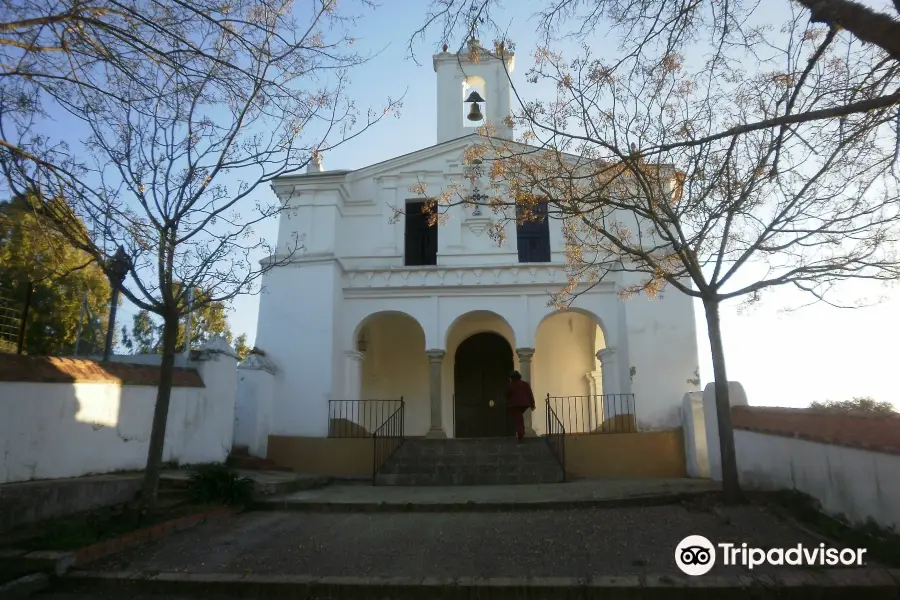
[(595, 382)]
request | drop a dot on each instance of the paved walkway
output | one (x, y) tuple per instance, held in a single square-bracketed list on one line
[(572, 543), (607, 492)]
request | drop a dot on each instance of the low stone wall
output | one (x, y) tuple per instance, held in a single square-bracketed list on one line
[(850, 463), (31, 501), (62, 417)]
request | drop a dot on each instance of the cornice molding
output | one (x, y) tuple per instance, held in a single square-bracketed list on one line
[(500, 276)]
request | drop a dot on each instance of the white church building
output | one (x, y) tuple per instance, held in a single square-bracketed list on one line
[(375, 308)]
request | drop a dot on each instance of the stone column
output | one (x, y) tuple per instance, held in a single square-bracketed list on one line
[(435, 366), (525, 355), (353, 382), (595, 402), (609, 377), (608, 369)]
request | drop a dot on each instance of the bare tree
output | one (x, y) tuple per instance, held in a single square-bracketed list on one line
[(187, 108), (664, 171)]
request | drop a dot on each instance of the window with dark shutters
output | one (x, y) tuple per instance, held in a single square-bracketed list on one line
[(533, 235), (421, 239)]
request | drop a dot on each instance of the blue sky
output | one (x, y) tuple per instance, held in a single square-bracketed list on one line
[(791, 359)]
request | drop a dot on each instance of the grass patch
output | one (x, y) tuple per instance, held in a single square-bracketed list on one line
[(882, 544)]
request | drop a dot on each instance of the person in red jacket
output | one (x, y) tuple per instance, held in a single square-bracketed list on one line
[(519, 398)]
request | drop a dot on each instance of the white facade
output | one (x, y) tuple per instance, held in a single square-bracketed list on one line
[(350, 281)]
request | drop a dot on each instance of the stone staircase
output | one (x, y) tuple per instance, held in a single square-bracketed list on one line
[(479, 461)]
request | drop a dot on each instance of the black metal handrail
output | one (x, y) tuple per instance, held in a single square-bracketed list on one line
[(387, 439), (598, 413), (556, 437), (358, 418)]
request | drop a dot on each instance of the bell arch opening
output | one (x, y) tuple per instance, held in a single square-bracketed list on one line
[(474, 95)]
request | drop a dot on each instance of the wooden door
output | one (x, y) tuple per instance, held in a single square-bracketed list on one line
[(481, 371)]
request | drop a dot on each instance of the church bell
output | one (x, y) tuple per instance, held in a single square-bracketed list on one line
[(475, 111)]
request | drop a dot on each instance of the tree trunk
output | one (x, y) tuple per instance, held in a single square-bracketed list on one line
[(731, 486), (160, 413), (111, 324)]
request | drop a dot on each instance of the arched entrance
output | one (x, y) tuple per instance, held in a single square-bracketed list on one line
[(481, 371)]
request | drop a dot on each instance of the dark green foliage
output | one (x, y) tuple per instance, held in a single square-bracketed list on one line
[(216, 482), (33, 254), (859, 404)]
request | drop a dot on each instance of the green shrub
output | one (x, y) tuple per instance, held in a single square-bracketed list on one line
[(859, 404), (218, 483)]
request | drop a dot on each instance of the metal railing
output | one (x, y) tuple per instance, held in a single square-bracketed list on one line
[(10, 325), (358, 418), (556, 437), (600, 413), (386, 440)]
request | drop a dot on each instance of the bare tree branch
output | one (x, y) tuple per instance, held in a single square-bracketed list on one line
[(191, 109)]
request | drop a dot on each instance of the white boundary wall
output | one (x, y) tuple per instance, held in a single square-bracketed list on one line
[(54, 430)]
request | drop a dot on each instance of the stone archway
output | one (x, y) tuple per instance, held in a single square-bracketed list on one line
[(482, 365), (387, 362)]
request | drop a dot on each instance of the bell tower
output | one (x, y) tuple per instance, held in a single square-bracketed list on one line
[(473, 91)]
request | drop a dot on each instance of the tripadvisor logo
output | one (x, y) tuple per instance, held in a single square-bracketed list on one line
[(696, 555)]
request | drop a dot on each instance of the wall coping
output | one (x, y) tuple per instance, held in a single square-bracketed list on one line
[(53, 369), (818, 412), (863, 431)]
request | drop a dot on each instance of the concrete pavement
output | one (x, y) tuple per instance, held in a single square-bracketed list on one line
[(365, 497)]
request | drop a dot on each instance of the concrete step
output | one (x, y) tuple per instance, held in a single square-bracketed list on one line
[(465, 443), (473, 447), (443, 465), (483, 457), (520, 451), (252, 463), (489, 477), (486, 461)]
